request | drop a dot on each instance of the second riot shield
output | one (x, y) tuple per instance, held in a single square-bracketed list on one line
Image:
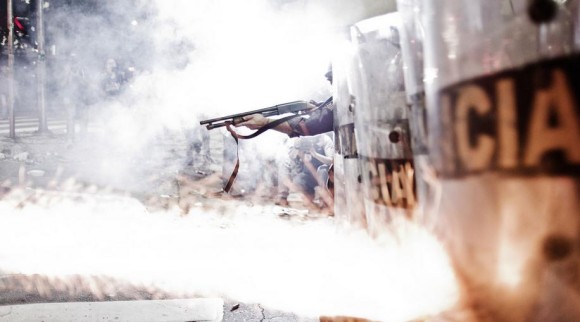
[(381, 122)]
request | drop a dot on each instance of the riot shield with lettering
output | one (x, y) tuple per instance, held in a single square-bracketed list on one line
[(381, 123), (503, 89), (412, 34), (349, 206)]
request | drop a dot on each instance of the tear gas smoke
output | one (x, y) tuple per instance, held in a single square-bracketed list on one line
[(188, 60), (309, 268)]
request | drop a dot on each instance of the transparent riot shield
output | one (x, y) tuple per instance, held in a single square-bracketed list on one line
[(503, 90), (412, 34), (381, 123), (348, 204)]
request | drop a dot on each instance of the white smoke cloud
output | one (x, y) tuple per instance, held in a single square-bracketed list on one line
[(309, 268), (244, 56), (193, 60)]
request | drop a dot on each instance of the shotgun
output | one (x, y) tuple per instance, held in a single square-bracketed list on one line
[(296, 107)]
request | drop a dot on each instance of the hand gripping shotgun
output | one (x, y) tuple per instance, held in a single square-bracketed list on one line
[(296, 107)]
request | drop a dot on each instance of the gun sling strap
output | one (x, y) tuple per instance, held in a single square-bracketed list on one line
[(261, 130)]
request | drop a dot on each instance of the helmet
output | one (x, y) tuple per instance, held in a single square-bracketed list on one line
[(328, 74)]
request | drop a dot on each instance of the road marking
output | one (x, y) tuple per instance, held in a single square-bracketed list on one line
[(27, 124)]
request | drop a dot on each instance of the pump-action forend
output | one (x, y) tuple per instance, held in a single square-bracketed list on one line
[(296, 107)]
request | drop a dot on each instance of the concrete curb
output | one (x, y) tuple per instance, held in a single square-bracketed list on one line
[(180, 310)]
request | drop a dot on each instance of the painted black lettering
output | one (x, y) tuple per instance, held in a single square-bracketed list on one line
[(507, 124), (523, 122), (475, 157), (565, 136), (390, 182)]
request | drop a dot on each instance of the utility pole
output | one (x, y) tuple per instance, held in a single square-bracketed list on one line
[(10, 76), (41, 69)]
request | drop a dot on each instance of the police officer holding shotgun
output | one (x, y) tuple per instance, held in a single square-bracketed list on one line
[(319, 121)]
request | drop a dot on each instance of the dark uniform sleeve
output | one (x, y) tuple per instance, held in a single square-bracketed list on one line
[(320, 121)]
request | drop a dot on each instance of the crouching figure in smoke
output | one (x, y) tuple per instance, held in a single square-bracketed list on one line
[(304, 169)]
